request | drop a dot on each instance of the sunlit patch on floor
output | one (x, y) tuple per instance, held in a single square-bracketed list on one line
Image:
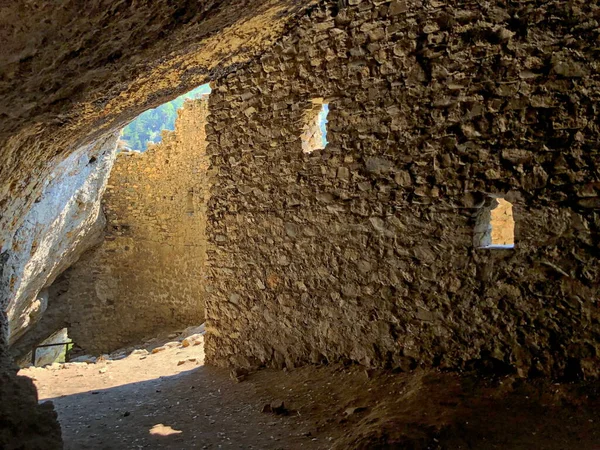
[(163, 430)]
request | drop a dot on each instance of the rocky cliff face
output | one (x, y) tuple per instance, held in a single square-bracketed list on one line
[(63, 222)]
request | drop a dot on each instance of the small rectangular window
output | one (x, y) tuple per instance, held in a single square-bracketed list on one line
[(495, 228), (314, 136)]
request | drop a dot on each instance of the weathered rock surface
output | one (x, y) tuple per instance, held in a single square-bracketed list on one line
[(364, 251), (64, 222), (55, 317)]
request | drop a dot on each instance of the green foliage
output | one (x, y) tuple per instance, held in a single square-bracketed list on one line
[(147, 126), (322, 121)]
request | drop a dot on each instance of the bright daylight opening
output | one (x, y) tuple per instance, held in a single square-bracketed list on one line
[(314, 136), (147, 128), (145, 330), (495, 227)]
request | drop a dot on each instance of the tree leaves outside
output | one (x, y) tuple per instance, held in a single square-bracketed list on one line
[(147, 127)]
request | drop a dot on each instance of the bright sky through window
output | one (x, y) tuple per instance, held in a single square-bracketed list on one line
[(147, 127)]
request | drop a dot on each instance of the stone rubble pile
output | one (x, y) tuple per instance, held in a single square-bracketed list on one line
[(191, 336)]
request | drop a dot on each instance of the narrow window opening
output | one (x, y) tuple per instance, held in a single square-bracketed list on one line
[(495, 228), (314, 136)]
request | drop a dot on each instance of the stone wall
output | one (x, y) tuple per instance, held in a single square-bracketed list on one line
[(364, 251), (147, 276)]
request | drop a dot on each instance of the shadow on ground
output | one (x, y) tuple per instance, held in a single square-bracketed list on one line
[(333, 407), (199, 408)]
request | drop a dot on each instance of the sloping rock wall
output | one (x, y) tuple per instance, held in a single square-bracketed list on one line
[(147, 275), (63, 223), (364, 251)]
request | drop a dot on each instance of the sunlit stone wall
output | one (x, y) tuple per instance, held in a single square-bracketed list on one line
[(147, 276)]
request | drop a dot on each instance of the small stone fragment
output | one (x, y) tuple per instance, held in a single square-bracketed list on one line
[(238, 374), (278, 407), (354, 410), (266, 408)]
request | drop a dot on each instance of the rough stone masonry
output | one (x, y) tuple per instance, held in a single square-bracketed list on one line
[(364, 251), (147, 276)]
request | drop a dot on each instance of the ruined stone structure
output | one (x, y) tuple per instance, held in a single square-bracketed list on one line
[(70, 81), (147, 276), (364, 251)]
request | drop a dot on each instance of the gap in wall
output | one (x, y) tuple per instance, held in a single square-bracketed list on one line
[(147, 128), (314, 136), (54, 349), (495, 228)]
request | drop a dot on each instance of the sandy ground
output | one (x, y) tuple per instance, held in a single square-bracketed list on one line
[(170, 400), (167, 399)]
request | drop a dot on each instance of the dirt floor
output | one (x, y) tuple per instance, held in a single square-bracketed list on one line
[(170, 400)]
